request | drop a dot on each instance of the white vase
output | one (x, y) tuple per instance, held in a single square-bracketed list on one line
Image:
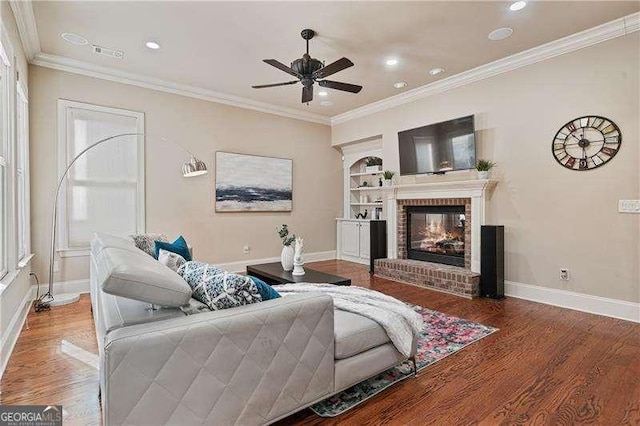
[(286, 258), (387, 182), (483, 175)]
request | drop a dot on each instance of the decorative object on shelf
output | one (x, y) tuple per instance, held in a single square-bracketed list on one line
[(298, 261), (365, 184), (194, 167), (377, 213), (484, 168), (586, 143), (379, 181), (374, 164), (251, 183), (388, 175), (362, 215), (364, 198), (286, 256)]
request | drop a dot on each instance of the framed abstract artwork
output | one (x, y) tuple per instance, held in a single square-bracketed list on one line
[(251, 183)]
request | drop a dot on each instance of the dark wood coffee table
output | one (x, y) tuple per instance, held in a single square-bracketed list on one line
[(272, 273)]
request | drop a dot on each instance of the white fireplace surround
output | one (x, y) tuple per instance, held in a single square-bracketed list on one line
[(478, 190)]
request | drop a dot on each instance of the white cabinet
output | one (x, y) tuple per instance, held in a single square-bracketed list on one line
[(353, 240), (364, 240)]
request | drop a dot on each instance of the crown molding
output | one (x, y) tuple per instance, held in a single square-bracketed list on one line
[(84, 68), (571, 43), (26, 22)]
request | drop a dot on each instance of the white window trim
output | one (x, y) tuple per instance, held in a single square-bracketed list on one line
[(9, 242), (21, 94), (62, 246)]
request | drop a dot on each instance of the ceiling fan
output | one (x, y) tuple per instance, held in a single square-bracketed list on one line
[(308, 70)]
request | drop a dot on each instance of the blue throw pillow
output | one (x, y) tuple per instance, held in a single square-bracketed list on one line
[(179, 246), (266, 291)]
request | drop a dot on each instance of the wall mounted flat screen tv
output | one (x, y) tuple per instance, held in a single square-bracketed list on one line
[(438, 148)]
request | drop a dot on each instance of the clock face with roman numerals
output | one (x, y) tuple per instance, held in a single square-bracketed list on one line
[(586, 143)]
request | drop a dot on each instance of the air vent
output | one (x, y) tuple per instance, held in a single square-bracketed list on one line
[(108, 52)]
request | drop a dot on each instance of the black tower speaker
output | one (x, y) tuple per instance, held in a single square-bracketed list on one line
[(492, 262), (377, 241)]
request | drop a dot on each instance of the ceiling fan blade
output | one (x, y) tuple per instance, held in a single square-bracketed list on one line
[(346, 87), (262, 86), (282, 67), (307, 94), (333, 68)]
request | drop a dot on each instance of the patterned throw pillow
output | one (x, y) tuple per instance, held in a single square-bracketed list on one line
[(179, 246), (217, 288), (147, 242), (171, 260)]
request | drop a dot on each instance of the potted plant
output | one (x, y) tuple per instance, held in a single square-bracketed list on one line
[(484, 168), (373, 164), (388, 175), (286, 257)]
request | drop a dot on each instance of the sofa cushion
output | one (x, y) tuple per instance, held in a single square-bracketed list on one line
[(135, 275), (171, 260), (147, 242), (179, 246), (266, 291), (355, 334), (218, 288)]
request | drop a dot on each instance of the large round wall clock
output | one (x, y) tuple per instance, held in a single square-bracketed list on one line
[(586, 143)]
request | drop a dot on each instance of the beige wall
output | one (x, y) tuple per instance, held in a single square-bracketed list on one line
[(175, 205), (554, 218)]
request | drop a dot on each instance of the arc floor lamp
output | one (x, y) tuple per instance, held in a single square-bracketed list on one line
[(193, 167)]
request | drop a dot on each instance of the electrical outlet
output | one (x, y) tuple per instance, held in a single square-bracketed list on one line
[(629, 206), (564, 274), (246, 249), (56, 266)]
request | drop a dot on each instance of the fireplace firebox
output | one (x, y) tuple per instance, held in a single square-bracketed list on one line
[(436, 234)]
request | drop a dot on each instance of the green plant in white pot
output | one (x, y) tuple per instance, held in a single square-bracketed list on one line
[(373, 164), (286, 257), (484, 168), (388, 176)]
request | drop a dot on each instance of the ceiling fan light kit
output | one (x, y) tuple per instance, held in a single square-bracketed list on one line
[(309, 70)]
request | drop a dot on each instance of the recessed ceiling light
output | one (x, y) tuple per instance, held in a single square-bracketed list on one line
[(500, 34), (391, 62), (152, 45), (326, 103), (519, 5), (400, 84), (74, 39), (323, 93), (436, 71)]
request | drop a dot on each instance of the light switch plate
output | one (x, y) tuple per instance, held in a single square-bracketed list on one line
[(629, 206)]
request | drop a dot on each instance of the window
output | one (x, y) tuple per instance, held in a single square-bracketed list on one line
[(22, 172), (104, 189), (5, 134)]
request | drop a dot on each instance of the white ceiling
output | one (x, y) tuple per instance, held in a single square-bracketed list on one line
[(219, 46)]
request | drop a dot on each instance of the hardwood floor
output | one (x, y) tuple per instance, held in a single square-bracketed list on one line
[(546, 365)]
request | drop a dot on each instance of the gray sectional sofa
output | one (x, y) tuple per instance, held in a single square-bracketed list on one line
[(183, 364)]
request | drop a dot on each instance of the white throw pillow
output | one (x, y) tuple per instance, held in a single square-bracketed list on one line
[(171, 260)]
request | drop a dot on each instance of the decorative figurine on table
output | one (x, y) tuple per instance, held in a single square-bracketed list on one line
[(298, 261)]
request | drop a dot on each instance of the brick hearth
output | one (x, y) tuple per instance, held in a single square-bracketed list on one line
[(450, 279)]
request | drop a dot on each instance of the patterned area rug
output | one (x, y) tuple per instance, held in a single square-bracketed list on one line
[(441, 336)]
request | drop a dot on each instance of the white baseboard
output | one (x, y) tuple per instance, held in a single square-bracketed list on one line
[(9, 339), (74, 286), (241, 266), (577, 301)]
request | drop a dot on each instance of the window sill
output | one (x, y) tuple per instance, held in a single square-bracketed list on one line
[(8, 279), (73, 252)]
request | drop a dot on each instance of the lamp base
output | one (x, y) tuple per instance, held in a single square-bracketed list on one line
[(64, 299)]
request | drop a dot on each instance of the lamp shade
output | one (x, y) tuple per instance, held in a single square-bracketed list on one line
[(194, 167)]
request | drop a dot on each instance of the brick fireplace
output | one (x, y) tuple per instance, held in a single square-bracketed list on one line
[(461, 277)]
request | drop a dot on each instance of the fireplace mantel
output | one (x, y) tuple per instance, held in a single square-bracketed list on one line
[(478, 190)]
